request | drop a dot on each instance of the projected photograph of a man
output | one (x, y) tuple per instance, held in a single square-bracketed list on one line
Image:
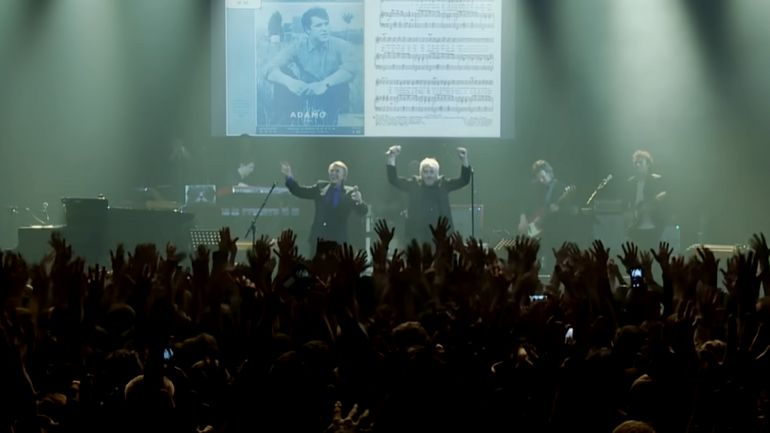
[(310, 67)]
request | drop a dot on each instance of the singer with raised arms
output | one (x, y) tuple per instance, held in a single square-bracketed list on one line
[(334, 202), (428, 192)]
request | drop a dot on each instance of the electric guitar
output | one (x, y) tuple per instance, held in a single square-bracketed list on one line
[(534, 222), (646, 210)]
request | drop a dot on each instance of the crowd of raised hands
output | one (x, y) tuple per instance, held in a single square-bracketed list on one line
[(442, 337)]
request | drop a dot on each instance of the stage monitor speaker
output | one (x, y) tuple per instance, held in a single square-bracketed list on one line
[(461, 219), (610, 228), (34, 241)]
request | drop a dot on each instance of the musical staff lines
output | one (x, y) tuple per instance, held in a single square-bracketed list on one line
[(436, 25), (436, 63), (454, 15), (432, 99), (433, 82), (465, 2), (435, 56), (436, 109), (431, 40), (435, 67)]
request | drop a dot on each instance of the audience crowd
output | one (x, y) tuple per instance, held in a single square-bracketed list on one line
[(437, 338)]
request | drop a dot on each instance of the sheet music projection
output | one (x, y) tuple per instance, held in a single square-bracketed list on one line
[(433, 68)]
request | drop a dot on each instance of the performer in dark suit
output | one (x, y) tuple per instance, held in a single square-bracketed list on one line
[(428, 193), (645, 199), (334, 202)]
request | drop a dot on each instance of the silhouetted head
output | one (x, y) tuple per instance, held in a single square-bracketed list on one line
[(633, 427)]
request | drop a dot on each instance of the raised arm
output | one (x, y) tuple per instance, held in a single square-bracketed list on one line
[(359, 206), (465, 172), (297, 190), (398, 182)]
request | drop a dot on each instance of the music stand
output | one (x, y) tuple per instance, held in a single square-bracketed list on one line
[(505, 242)]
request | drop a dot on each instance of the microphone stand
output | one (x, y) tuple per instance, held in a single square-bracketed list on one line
[(601, 186), (253, 226), (473, 213)]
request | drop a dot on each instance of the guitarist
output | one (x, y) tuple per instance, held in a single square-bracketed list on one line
[(312, 75), (646, 198), (547, 218)]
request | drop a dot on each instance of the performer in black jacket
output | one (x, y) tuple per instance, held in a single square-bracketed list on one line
[(334, 202), (552, 213), (646, 200), (428, 192)]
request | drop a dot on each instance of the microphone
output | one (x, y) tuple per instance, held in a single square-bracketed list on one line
[(606, 180)]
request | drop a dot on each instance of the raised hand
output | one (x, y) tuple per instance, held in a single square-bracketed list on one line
[(350, 261), (523, 254), (352, 423), (118, 259), (144, 260), (286, 169), (600, 253), (393, 151), (567, 251), (630, 257), (709, 266), (384, 232), (745, 286), (761, 250), (260, 251), (356, 195), (457, 242), (13, 275), (646, 261), (663, 255), (441, 231), (61, 249), (172, 254), (227, 244), (287, 244), (463, 154)]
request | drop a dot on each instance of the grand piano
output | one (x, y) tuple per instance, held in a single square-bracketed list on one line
[(93, 228)]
